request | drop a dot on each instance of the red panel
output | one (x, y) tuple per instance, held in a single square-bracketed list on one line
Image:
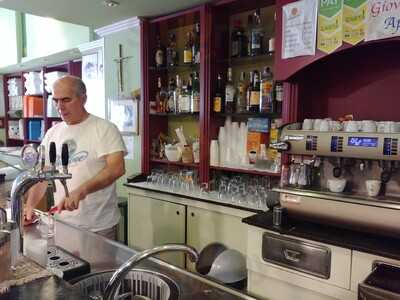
[(363, 81), (144, 102)]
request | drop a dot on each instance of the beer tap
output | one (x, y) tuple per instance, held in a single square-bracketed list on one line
[(64, 161), (386, 175), (52, 159)]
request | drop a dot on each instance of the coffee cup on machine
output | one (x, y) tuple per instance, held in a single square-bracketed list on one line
[(308, 124), (373, 187)]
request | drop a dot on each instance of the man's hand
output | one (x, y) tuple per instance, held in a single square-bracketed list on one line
[(72, 202)]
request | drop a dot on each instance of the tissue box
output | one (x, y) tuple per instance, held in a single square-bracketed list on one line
[(254, 141), (258, 125)]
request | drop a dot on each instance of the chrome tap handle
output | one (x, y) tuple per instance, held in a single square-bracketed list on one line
[(42, 157), (3, 216), (64, 158), (53, 155)]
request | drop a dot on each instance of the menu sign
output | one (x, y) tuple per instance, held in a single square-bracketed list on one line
[(354, 16), (299, 28), (383, 19), (330, 15)]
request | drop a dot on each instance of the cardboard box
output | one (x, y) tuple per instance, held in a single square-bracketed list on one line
[(254, 141)]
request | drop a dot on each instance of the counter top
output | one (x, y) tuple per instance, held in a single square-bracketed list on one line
[(51, 288), (104, 254), (350, 239)]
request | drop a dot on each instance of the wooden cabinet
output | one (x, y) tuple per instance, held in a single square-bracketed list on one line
[(216, 22), (32, 112), (153, 222)]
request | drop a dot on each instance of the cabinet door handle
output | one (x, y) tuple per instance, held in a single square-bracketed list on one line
[(177, 212), (192, 214), (293, 256)]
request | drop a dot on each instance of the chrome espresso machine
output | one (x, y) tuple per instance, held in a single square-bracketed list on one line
[(344, 178)]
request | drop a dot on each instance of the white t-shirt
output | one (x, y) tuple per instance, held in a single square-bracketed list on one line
[(88, 143)]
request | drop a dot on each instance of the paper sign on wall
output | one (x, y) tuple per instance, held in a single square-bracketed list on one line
[(354, 20), (383, 19), (330, 15), (299, 28)]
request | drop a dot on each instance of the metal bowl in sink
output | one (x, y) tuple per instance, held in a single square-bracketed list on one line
[(138, 284)]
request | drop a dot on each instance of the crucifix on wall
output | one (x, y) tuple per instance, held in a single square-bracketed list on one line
[(120, 74)]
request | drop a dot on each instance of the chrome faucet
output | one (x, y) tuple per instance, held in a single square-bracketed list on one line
[(29, 178), (115, 281)]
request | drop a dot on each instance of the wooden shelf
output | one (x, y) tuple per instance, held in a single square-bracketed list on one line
[(34, 118), (195, 114), (33, 141), (246, 171), (173, 163), (178, 68), (247, 60), (15, 139)]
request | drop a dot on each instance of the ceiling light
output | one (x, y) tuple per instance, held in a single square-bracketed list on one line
[(110, 3)]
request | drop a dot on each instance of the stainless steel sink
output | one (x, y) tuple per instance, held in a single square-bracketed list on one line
[(138, 284)]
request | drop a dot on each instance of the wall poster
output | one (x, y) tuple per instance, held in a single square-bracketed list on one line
[(330, 16), (299, 28), (383, 19), (354, 18)]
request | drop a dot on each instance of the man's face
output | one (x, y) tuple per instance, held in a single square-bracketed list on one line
[(70, 106)]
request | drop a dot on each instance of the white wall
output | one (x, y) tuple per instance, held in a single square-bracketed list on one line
[(8, 34), (45, 36)]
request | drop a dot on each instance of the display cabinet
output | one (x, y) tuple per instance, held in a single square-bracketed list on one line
[(27, 117), (213, 31)]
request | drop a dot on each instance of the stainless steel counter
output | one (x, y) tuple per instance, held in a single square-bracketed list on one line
[(103, 254)]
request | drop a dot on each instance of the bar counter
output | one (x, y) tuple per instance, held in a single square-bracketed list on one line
[(103, 254)]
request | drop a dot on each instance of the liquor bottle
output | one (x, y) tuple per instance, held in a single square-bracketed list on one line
[(230, 94), (187, 52), (184, 99), (278, 97), (249, 33), (266, 90), (161, 97), (255, 93), (238, 40), (177, 94), (171, 96), (248, 91), (242, 91), (159, 54), (219, 103), (196, 45), (172, 53), (257, 34), (195, 94)]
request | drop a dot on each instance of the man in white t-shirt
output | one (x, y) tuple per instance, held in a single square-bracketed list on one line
[(96, 161)]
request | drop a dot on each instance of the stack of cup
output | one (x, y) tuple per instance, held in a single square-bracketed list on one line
[(214, 153)]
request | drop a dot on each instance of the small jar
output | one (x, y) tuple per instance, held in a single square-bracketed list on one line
[(187, 154)]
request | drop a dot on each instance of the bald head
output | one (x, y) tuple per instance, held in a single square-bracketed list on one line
[(74, 82)]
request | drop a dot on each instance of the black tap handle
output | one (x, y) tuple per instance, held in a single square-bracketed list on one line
[(52, 153), (64, 155)]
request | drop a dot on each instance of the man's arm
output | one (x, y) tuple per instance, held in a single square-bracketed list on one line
[(35, 194), (114, 168)]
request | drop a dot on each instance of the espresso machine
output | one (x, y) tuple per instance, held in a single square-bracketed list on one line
[(355, 158)]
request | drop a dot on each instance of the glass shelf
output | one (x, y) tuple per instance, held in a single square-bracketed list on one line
[(173, 163), (178, 68), (248, 115), (246, 171)]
